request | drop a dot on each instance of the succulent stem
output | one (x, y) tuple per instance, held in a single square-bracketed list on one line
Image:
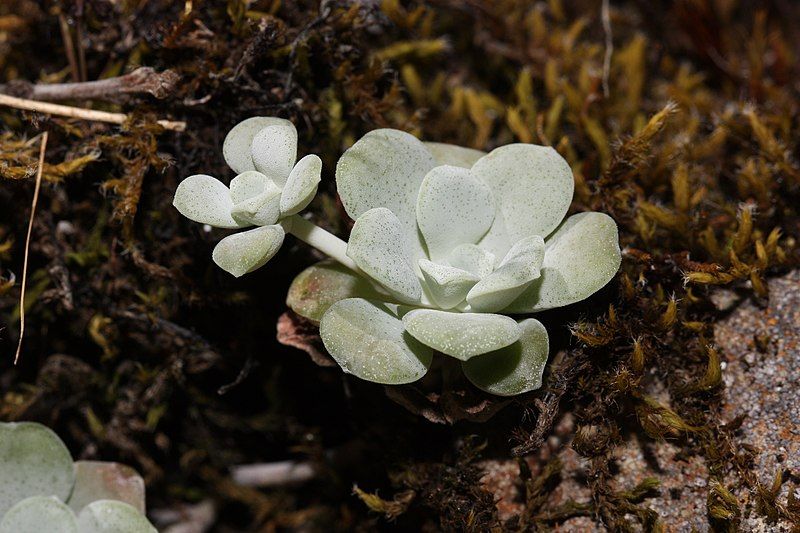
[(324, 241), (331, 245)]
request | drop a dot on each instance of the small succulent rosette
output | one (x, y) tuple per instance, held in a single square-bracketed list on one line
[(42, 490), (447, 243), (270, 186)]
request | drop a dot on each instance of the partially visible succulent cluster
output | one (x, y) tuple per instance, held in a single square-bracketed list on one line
[(42, 490), (447, 242)]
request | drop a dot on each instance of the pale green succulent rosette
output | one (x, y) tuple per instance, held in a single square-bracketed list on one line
[(112, 516), (454, 240), (270, 187), (39, 513), (43, 490), (33, 462)]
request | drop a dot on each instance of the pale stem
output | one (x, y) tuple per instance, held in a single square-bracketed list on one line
[(329, 244), (324, 241)]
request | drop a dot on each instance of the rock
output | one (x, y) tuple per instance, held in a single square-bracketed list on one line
[(761, 354)]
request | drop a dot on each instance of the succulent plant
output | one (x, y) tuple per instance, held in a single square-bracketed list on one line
[(43, 490), (270, 187), (447, 243)]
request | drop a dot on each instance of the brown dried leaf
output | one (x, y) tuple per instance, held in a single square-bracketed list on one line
[(301, 333)]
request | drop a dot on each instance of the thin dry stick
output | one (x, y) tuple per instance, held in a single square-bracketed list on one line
[(606, 16), (77, 112), (28, 245), (143, 80)]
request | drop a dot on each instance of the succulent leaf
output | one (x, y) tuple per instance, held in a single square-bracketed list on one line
[(368, 340), (256, 199), (99, 480), (320, 286), (206, 200), (580, 258), (378, 247), (248, 185), (236, 149), (448, 286), (514, 274), (385, 169), (244, 252), (109, 516), (461, 335), (39, 514), (301, 186), (473, 259), (532, 186), (451, 154), (453, 207), (515, 369), (33, 462), (274, 151)]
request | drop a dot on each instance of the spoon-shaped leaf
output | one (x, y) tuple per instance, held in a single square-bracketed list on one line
[(453, 208), (579, 259), (515, 369), (378, 247), (261, 209), (367, 339), (473, 259), (451, 154), (301, 186), (109, 516), (320, 286), (248, 185), (532, 186), (385, 169), (244, 252), (461, 335), (274, 151), (100, 480), (39, 514), (236, 149), (33, 462), (448, 286), (513, 275), (206, 200)]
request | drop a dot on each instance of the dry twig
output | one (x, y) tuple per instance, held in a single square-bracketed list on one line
[(28, 245), (77, 112), (143, 80)]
